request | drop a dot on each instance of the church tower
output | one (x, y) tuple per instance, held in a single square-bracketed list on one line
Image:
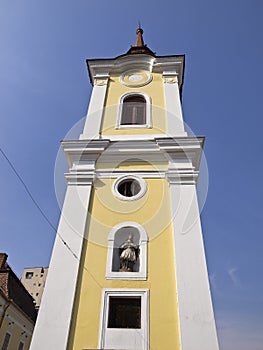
[(128, 268)]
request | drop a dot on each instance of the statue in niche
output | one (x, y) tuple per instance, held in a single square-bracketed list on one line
[(128, 255)]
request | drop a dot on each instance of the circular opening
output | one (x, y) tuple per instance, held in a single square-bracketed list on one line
[(129, 187)]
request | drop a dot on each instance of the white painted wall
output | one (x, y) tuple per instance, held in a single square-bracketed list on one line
[(95, 110), (174, 116), (197, 324), (53, 322)]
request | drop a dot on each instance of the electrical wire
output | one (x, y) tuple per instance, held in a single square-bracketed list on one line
[(42, 212)]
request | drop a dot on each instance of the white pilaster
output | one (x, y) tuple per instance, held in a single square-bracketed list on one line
[(174, 117), (196, 318), (96, 107), (53, 322)]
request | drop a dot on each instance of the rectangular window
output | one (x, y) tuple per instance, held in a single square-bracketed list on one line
[(6, 341), (29, 275), (124, 319), (124, 312), (21, 346)]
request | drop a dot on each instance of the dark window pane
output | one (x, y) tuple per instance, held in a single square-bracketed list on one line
[(29, 275), (6, 341), (21, 346), (124, 312), (129, 188)]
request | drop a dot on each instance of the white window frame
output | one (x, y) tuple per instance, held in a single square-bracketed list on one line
[(141, 182), (143, 245), (125, 292), (148, 101)]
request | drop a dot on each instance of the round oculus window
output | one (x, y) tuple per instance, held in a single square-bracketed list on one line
[(129, 188)]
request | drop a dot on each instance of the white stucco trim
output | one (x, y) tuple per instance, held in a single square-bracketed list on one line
[(96, 108), (143, 242), (125, 292), (196, 319), (142, 183), (174, 116), (148, 123), (53, 322)]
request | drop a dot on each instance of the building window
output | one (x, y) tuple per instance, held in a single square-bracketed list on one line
[(21, 346), (127, 252), (124, 312), (134, 111), (6, 341), (129, 188), (124, 322), (29, 275)]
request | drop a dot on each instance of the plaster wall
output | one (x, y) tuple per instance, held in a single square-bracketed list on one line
[(152, 212)]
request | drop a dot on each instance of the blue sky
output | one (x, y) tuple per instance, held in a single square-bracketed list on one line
[(44, 91)]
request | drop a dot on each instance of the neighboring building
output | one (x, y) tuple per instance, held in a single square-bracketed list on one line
[(17, 310), (128, 268), (34, 280)]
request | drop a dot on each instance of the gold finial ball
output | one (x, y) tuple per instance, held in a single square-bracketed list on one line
[(139, 30)]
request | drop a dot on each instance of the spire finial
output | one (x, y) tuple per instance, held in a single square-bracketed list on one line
[(139, 38), (140, 47)]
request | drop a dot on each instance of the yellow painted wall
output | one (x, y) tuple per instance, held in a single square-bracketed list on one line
[(13, 323), (116, 89), (152, 211)]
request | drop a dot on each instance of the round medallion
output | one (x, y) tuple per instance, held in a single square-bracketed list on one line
[(135, 78)]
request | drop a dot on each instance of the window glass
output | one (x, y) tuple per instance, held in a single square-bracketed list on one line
[(21, 346), (6, 341), (129, 188), (124, 312), (29, 275), (133, 110)]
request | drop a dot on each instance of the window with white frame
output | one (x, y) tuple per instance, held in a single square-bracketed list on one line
[(134, 110), (129, 187), (127, 239), (124, 320)]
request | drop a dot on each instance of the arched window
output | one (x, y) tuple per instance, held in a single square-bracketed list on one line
[(133, 110), (117, 242)]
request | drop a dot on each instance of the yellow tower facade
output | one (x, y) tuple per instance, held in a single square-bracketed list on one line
[(128, 267)]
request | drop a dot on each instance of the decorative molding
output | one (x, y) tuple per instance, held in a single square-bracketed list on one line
[(100, 82), (170, 80), (83, 154), (80, 178), (146, 78), (142, 62), (144, 174)]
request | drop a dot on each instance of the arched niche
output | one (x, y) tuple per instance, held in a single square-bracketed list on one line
[(118, 235)]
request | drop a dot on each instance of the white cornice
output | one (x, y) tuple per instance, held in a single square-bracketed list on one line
[(182, 154), (134, 62)]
